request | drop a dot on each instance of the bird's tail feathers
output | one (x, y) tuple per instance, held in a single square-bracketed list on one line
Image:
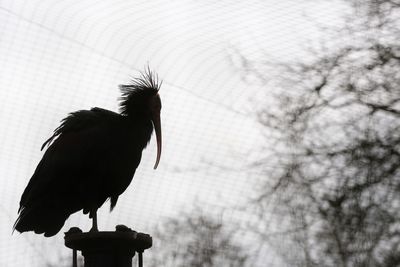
[(40, 219)]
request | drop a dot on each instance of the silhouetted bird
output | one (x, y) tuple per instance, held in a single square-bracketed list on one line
[(92, 156)]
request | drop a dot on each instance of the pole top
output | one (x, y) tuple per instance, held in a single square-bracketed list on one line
[(123, 238)]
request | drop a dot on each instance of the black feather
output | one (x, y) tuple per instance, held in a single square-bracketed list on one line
[(91, 157)]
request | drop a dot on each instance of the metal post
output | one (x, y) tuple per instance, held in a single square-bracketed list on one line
[(140, 258), (74, 258), (101, 249)]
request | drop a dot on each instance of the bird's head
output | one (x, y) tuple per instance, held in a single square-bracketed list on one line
[(140, 99)]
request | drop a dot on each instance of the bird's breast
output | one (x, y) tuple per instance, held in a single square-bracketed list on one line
[(123, 159)]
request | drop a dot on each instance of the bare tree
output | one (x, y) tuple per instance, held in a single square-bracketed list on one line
[(196, 239), (332, 150)]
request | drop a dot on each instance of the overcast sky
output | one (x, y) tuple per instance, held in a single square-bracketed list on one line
[(59, 56)]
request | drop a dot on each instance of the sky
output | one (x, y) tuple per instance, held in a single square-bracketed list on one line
[(59, 56)]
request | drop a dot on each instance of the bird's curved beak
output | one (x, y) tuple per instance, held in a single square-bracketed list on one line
[(157, 127)]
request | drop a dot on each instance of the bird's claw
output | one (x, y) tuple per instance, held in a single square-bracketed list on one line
[(93, 230)]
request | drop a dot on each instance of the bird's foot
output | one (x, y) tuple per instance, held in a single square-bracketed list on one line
[(94, 229)]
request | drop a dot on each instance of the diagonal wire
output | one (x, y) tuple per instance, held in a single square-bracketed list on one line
[(121, 62)]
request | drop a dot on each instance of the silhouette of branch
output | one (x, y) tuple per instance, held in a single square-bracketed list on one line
[(333, 145)]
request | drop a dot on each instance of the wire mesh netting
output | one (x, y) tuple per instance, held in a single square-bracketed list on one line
[(61, 56)]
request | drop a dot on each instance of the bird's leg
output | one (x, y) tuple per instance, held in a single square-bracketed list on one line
[(94, 221)]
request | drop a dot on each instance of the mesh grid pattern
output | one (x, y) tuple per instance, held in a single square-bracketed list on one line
[(60, 56)]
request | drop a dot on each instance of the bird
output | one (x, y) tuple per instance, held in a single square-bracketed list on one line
[(90, 158)]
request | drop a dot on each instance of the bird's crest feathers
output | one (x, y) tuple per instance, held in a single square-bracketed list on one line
[(147, 84)]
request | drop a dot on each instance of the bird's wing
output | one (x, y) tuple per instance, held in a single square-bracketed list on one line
[(71, 146), (64, 179), (79, 120)]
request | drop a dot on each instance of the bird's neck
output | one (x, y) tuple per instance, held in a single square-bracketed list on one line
[(142, 127)]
